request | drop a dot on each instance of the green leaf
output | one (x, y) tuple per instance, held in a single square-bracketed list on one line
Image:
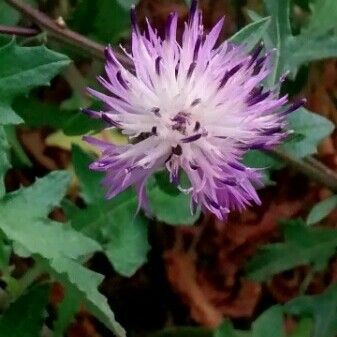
[(323, 18), (168, 207), (279, 31), (37, 114), (322, 210), (84, 283), (183, 331), (106, 20), (270, 323), (322, 308), (23, 219), (303, 328), (312, 126), (302, 246), (25, 317), (251, 34), (67, 310), (8, 15), (14, 143), (21, 69), (4, 160), (123, 233), (303, 49)]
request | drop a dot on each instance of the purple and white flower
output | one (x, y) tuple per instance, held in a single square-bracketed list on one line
[(194, 106)]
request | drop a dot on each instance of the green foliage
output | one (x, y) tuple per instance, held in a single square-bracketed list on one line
[(322, 210), (4, 159), (24, 68), (168, 204), (302, 246), (114, 223), (23, 220), (251, 34), (26, 315), (67, 310), (321, 308), (294, 51), (106, 20), (38, 114), (83, 283)]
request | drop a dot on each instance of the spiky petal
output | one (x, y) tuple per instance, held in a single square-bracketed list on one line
[(193, 107)]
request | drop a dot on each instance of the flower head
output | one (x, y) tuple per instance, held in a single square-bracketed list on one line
[(191, 106)]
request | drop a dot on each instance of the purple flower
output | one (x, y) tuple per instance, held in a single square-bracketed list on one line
[(194, 106)]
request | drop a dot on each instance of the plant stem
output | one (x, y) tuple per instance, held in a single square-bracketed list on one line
[(61, 33), (18, 31), (324, 177), (310, 167)]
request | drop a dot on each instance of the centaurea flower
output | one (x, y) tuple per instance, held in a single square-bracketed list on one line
[(190, 106)]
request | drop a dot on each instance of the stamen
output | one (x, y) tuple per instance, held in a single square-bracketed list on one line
[(133, 17), (106, 118), (158, 60), (229, 181), (212, 202), (156, 111), (192, 138), (237, 166), (296, 105), (191, 69), (197, 47), (229, 74), (91, 113), (194, 167), (196, 102), (121, 80), (255, 54), (178, 151), (193, 10), (169, 25), (196, 126), (257, 99), (154, 131)]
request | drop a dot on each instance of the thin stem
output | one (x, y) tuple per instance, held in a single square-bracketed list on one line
[(314, 173), (319, 173), (18, 31), (62, 33)]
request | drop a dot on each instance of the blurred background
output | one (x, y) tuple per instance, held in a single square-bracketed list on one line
[(269, 271)]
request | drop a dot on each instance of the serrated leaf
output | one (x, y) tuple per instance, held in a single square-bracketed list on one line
[(25, 316), (322, 308), (84, 283), (323, 18), (307, 48), (312, 126), (23, 220), (4, 160), (113, 222), (21, 69), (251, 34), (302, 246), (322, 210)]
